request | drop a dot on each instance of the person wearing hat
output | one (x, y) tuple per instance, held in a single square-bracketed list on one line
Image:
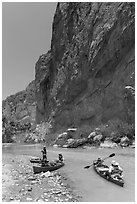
[(99, 162), (115, 169), (44, 153)]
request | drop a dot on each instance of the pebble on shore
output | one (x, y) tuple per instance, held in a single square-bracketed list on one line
[(20, 184)]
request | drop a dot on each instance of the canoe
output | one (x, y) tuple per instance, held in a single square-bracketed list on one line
[(35, 160), (99, 170), (48, 167)]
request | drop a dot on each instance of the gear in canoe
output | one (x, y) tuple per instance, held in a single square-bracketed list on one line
[(44, 165), (104, 172), (39, 160), (112, 173)]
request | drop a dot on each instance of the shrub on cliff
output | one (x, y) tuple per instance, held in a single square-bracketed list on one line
[(116, 129), (39, 134), (7, 134)]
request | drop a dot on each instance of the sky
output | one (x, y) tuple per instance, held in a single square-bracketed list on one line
[(26, 34)]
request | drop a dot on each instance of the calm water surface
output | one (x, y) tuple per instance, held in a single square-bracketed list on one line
[(86, 182)]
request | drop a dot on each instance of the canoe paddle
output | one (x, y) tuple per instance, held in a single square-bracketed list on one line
[(111, 155)]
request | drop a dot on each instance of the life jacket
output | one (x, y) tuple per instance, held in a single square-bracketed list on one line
[(115, 170)]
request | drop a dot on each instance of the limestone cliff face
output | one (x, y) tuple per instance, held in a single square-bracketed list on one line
[(21, 107), (88, 75)]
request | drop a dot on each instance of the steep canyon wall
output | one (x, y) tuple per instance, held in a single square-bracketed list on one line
[(88, 76)]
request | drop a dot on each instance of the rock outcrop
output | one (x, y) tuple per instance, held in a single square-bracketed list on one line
[(20, 108), (85, 78)]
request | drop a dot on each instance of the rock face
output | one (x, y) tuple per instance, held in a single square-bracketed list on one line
[(21, 107), (85, 77)]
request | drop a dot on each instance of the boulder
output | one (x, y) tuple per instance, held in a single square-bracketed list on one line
[(61, 139), (133, 144), (97, 138), (108, 144), (91, 136), (69, 141), (65, 146), (62, 135), (75, 143), (124, 141), (55, 145)]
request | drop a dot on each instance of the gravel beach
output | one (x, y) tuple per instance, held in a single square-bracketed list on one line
[(19, 184)]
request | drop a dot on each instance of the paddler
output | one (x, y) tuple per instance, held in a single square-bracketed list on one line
[(99, 162)]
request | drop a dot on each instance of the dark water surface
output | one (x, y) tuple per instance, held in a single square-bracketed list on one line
[(86, 182)]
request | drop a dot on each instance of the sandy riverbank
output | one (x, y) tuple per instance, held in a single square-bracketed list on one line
[(20, 184)]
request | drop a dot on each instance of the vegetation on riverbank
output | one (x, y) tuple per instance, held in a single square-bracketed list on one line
[(116, 132)]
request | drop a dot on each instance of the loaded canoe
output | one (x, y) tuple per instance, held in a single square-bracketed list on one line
[(102, 173), (48, 167)]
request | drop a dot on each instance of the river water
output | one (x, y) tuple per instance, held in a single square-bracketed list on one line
[(86, 182)]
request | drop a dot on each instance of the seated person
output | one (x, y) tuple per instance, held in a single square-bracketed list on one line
[(115, 170), (60, 157), (99, 162)]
